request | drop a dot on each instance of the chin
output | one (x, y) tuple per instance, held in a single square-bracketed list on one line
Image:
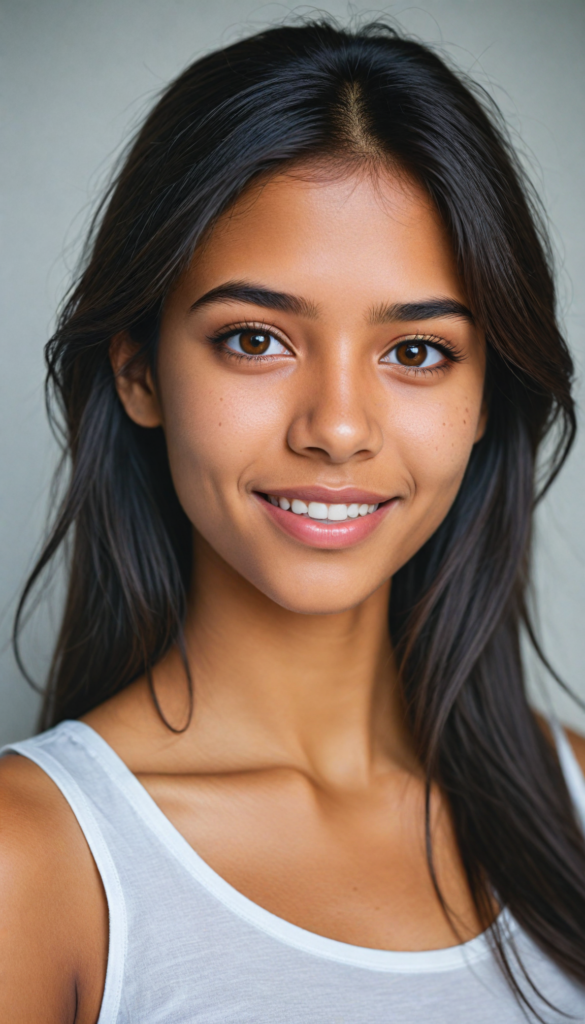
[(319, 597)]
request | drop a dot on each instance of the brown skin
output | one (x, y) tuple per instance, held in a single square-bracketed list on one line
[(296, 779)]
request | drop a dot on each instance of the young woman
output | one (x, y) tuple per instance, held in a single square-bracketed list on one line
[(304, 376)]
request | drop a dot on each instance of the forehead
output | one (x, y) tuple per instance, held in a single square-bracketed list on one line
[(373, 236)]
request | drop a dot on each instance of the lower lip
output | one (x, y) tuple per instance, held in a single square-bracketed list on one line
[(317, 535)]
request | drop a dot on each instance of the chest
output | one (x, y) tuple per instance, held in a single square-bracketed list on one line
[(352, 867)]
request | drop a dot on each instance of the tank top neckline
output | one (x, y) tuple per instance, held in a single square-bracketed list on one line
[(399, 961)]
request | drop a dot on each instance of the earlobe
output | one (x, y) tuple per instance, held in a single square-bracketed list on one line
[(134, 383)]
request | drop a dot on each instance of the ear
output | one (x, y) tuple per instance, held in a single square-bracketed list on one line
[(134, 382), (482, 421)]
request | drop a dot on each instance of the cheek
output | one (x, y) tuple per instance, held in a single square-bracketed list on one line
[(435, 434), (215, 435)]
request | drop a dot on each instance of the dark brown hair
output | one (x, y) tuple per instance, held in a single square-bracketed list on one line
[(458, 607)]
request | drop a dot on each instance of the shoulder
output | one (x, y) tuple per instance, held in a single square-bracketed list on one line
[(575, 739), (34, 826), (578, 744), (28, 797), (53, 914)]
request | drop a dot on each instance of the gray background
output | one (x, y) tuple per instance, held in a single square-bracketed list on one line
[(78, 74)]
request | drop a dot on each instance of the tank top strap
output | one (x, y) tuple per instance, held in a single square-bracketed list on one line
[(42, 750)]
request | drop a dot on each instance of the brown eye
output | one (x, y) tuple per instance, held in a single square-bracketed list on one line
[(415, 354), (254, 343), (411, 353)]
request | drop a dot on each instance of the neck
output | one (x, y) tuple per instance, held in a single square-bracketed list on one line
[(276, 688)]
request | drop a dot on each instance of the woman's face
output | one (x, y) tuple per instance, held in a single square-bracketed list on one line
[(318, 353)]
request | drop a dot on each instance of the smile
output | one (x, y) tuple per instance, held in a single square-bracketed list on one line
[(326, 524), (326, 514)]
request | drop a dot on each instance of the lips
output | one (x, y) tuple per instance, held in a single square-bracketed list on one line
[(310, 516)]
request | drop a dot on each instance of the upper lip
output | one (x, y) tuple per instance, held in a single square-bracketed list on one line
[(329, 496)]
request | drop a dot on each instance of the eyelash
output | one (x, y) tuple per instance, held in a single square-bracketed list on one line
[(222, 336), (448, 350)]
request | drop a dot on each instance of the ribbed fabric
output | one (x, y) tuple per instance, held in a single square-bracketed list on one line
[(185, 947)]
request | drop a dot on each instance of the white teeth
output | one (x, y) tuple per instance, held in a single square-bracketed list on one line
[(337, 513), (319, 510), (298, 507)]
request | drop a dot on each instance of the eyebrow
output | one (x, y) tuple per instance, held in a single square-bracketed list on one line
[(256, 295), (428, 309)]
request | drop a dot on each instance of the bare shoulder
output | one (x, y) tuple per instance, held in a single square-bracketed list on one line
[(578, 744), (53, 930), (575, 739), (29, 800)]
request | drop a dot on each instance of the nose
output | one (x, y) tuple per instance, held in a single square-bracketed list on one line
[(335, 419)]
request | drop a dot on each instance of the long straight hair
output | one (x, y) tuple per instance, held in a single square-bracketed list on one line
[(293, 94)]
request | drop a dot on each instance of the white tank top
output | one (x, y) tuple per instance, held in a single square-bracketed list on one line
[(185, 947)]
